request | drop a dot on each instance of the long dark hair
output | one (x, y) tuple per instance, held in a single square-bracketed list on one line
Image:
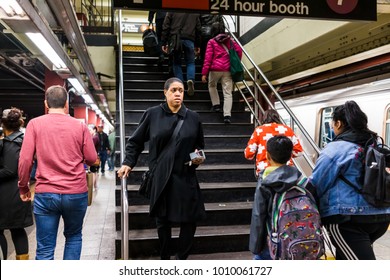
[(352, 117)]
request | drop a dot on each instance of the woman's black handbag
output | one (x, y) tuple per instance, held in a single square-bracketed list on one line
[(145, 187), (147, 178)]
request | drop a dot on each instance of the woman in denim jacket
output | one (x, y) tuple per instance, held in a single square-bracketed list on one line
[(352, 223)]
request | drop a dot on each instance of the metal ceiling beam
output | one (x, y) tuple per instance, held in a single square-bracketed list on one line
[(42, 26), (66, 16)]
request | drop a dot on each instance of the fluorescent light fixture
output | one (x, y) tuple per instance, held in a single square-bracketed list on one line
[(94, 107), (46, 49), (87, 98), (77, 86), (11, 8)]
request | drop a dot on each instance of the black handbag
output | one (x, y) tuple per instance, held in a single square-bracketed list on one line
[(145, 187), (174, 44), (147, 178)]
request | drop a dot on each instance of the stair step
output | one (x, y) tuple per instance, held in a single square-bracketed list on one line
[(212, 192), (208, 240)]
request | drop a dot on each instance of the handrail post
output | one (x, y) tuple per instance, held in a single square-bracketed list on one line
[(125, 202)]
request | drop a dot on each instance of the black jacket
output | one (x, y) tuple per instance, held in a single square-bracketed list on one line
[(278, 181), (14, 213), (175, 192), (189, 24)]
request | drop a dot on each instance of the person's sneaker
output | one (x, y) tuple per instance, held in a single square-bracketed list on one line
[(227, 120), (191, 89), (216, 108)]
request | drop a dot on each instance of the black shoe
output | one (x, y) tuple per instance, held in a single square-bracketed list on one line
[(216, 108), (227, 120), (191, 89)]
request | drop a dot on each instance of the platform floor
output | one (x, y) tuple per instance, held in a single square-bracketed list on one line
[(99, 231)]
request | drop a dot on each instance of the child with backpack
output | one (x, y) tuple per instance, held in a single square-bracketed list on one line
[(285, 220)]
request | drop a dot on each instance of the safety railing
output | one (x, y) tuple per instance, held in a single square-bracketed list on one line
[(256, 90), (124, 194)]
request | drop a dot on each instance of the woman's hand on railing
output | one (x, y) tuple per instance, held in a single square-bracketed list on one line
[(124, 171)]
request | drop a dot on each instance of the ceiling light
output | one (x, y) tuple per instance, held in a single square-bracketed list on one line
[(87, 98), (94, 107), (46, 49), (11, 8), (77, 85)]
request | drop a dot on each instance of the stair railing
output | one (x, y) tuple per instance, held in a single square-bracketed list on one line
[(124, 194), (257, 106)]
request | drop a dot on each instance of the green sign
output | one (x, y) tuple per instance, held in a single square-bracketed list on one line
[(313, 9)]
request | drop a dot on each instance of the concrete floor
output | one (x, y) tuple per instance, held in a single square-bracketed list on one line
[(99, 231)]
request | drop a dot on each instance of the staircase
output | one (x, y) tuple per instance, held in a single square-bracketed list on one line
[(226, 178)]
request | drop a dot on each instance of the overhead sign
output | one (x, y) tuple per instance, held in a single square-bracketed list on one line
[(314, 9)]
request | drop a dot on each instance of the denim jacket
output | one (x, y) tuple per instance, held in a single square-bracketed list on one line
[(335, 196)]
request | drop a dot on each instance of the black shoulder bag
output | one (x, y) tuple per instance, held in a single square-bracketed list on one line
[(146, 184), (175, 40)]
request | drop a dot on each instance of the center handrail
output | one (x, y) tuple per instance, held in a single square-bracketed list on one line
[(125, 202)]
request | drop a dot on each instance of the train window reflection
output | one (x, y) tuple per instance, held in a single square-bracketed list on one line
[(326, 131)]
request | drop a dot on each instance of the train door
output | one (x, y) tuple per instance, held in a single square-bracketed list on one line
[(326, 131)]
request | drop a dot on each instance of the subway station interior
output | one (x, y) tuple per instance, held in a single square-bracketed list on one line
[(291, 60)]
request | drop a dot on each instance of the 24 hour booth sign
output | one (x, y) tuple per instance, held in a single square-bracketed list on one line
[(315, 9)]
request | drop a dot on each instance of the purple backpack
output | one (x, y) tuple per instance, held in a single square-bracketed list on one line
[(295, 231)]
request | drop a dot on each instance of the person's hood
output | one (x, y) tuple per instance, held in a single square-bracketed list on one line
[(357, 137), (222, 38), (282, 178)]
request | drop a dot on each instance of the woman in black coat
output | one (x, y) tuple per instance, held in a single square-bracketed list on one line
[(175, 193), (15, 214)]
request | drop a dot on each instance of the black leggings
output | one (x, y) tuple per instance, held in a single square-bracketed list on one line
[(184, 242), (353, 241), (19, 238)]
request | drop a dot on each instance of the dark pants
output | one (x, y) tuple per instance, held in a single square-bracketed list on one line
[(103, 159), (353, 241), (185, 241), (19, 238)]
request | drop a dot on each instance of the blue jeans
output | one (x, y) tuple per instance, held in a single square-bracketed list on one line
[(264, 255), (189, 57), (48, 208)]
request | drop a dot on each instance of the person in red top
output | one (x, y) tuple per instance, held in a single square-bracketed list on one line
[(257, 143), (61, 144)]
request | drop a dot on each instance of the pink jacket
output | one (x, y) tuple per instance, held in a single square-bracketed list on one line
[(216, 57)]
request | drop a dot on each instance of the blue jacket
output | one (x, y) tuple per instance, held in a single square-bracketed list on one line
[(335, 196)]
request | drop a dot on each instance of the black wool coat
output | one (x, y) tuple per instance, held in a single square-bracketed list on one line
[(14, 213), (175, 192)]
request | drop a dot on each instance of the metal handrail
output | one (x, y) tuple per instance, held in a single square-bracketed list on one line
[(125, 202), (276, 94)]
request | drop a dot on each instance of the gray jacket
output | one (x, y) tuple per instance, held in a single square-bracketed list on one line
[(277, 181)]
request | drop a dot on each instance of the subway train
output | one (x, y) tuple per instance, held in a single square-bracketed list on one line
[(314, 111)]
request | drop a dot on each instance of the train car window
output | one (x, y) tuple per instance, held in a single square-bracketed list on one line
[(326, 131), (387, 128)]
